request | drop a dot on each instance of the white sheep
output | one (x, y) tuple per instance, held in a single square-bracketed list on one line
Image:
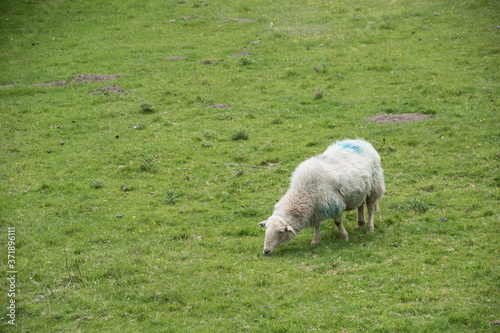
[(343, 178)]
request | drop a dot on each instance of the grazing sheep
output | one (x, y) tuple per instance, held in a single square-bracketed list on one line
[(343, 178)]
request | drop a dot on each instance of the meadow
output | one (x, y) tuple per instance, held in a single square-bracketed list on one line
[(142, 142)]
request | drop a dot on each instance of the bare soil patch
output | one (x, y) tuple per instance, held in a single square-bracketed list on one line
[(51, 84), (106, 89), (219, 106), (94, 78), (398, 118), (80, 79), (6, 85), (175, 57), (243, 20), (241, 54)]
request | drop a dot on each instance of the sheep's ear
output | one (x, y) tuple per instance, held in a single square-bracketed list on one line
[(289, 228), (262, 224)]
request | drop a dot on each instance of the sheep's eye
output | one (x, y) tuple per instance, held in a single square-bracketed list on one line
[(281, 232)]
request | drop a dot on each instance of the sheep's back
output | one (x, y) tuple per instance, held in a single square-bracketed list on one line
[(343, 149)]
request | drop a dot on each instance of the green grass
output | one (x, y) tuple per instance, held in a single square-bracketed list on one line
[(180, 249)]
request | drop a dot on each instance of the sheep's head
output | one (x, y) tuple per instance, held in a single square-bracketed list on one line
[(277, 232)]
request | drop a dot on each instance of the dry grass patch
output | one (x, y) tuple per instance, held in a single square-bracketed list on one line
[(398, 118)]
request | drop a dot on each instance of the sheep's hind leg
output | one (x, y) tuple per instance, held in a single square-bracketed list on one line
[(317, 236), (361, 216), (372, 209), (343, 232)]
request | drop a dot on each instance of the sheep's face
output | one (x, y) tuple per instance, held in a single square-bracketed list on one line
[(277, 232)]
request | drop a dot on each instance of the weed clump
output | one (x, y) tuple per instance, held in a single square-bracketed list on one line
[(323, 69), (244, 61), (206, 144), (416, 205), (386, 21), (43, 188), (312, 144), (240, 134), (318, 94), (96, 184), (276, 121), (289, 72), (146, 107), (140, 126), (171, 196), (226, 116), (148, 163), (210, 135), (240, 157)]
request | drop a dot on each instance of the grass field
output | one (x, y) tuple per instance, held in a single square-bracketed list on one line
[(136, 208)]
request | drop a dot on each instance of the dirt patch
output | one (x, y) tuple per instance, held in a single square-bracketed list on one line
[(80, 79), (174, 57), (219, 106), (190, 17), (207, 62), (241, 54), (107, 89), (398, 118), (94, 78), (6, 85), (244, 20), (51, 84)]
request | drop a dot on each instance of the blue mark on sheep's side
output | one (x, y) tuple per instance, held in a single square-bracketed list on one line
[(332, 211), (351, 145)]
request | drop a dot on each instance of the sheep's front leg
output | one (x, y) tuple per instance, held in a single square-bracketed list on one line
[(343, 232), (361, 216), (317, 236)]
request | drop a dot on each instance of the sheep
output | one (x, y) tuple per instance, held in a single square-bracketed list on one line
[(343, 178)]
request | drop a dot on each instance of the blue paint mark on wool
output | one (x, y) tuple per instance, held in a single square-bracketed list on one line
[(349, 144), (331, 211)]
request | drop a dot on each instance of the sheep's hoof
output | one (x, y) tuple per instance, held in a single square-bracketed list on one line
[(345, 236), (369, 230), (360, 224), (315, 242)]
